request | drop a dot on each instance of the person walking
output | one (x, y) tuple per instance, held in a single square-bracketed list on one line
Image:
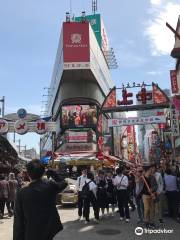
[(4, 195), (111, 192), (160, 193), (79, 185), (121, 183), (149, 197), (35, 213), (171, 189), (139, 184), (13, 185), (102, 192), (89, 192)]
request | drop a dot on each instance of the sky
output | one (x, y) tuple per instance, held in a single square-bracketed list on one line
[(29, 34)]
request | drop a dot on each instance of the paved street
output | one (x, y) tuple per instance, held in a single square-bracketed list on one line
[(108, 228)]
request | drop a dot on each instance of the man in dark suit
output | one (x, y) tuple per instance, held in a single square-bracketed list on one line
[(35, 215)]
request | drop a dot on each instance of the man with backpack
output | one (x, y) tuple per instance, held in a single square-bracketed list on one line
[(80, 183), (89, 194)]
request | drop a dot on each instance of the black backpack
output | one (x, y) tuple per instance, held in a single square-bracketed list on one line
[(86, 190)]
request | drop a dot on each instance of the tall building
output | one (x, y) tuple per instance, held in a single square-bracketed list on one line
[(80, 81)]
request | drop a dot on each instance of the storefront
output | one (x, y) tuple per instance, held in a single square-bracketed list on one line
[(8, 156)]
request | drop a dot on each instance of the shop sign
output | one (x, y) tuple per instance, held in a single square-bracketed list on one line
[(41, 127), (175, 122), (76, 47), (77, 137), (21, 127), (136, 121), (174, 83)]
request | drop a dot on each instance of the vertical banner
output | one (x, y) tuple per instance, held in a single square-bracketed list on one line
[(174, 123), (110, 101), (174, 83)]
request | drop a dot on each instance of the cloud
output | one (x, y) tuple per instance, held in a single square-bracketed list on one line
[(154, 73), (156, 2), (161, 38), (127, 57)]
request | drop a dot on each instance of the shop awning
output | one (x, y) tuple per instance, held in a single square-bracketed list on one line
[(80, 158)]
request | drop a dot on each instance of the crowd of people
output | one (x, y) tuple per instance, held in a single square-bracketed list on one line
[(9, 185), (31, 197), (153, 190)]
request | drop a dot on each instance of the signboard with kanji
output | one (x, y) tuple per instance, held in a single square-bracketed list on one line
[(175, 122), (21, 125), (136, 121), (174, 83)]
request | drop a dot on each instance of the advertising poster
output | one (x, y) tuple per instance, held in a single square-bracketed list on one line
[(76, 42)]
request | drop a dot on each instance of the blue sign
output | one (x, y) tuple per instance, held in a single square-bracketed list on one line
[(21, 113)]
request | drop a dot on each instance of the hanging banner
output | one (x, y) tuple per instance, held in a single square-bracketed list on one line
[(174, 83), (159, 96), (136, 121), (176, 102), (175, 123)]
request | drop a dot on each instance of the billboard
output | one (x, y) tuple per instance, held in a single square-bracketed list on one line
[(76, 45), (77, 137), (95, 21), (99, 30), (79, 116)]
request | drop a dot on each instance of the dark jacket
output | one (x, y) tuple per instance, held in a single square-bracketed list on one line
[(4, 189), (36, 216)]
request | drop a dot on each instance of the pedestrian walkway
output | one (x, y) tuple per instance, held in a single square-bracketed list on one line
[(108, 228)]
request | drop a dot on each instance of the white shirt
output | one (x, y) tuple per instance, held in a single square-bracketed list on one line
[(80, 182), (121, 182), (92, 186), (160, 182)]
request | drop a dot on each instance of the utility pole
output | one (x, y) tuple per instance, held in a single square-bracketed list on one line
[(19, 145), (3, 106)]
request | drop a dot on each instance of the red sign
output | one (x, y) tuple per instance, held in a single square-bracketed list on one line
[(77, 136), (111, 99), (158, 95), (174, 83), (176, 102), (76, 42)]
